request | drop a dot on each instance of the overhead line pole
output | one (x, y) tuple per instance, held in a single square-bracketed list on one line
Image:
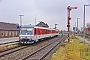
[(35, 19), (77, 26), (84, 23)]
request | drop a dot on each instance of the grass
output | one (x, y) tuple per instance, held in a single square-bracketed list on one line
[(75, 50)]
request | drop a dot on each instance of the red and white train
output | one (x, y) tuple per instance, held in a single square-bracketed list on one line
[(30, 34)]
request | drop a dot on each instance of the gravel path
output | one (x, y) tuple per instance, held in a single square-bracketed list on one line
[(84, 40)]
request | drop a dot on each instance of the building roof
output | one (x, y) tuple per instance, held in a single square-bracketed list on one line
[(8, 26), (42, 24)]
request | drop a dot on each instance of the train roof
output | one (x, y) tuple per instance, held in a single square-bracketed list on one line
[(33, 26), (27, 26)]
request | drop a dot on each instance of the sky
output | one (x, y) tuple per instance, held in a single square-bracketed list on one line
[(49, 11)]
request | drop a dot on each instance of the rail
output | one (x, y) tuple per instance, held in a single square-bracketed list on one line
[(44, 51)]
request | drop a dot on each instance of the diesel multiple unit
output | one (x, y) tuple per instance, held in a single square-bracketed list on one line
[(30, 34)]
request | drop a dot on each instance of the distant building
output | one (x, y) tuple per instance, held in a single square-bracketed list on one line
[(42, 24), (8, 30)]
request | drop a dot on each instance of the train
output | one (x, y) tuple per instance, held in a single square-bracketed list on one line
[(30, 34)]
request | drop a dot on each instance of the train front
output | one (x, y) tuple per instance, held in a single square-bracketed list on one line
[(26, 35)]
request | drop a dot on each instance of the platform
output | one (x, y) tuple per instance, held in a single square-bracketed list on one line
[(6, 40)]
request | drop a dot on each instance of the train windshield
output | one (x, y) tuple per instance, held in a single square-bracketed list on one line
[(26, 31)]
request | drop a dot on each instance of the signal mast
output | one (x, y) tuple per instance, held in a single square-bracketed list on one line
[(68, 25)]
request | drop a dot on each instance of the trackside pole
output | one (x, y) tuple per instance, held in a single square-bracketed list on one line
[(68, 25)]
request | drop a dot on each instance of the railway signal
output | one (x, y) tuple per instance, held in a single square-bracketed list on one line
[(68, 25)]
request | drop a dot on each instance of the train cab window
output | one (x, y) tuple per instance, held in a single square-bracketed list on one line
[(26, 31)]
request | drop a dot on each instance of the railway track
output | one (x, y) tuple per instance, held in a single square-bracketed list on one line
[(41, 53), (19, 53), (10, 42), (9, 45), (9, 51), (86, 36)]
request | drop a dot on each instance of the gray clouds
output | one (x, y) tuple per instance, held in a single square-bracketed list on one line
[(49, 11)]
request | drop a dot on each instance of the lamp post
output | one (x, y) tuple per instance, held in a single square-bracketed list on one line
[(84, 22), (35, 19), (20, 22), (21, 19), (75, 28), (77, 25)]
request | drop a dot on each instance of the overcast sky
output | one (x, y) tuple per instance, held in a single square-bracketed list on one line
[(48, 11)]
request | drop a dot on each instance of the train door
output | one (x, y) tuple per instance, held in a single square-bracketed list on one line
[(36, 34)]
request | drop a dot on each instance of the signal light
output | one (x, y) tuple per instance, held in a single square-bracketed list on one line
[(68, 25)]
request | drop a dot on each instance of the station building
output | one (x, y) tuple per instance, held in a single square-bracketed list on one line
[(8, 30), (42, 24)]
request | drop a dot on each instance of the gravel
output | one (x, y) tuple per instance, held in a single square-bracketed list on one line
[(20, 54)]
